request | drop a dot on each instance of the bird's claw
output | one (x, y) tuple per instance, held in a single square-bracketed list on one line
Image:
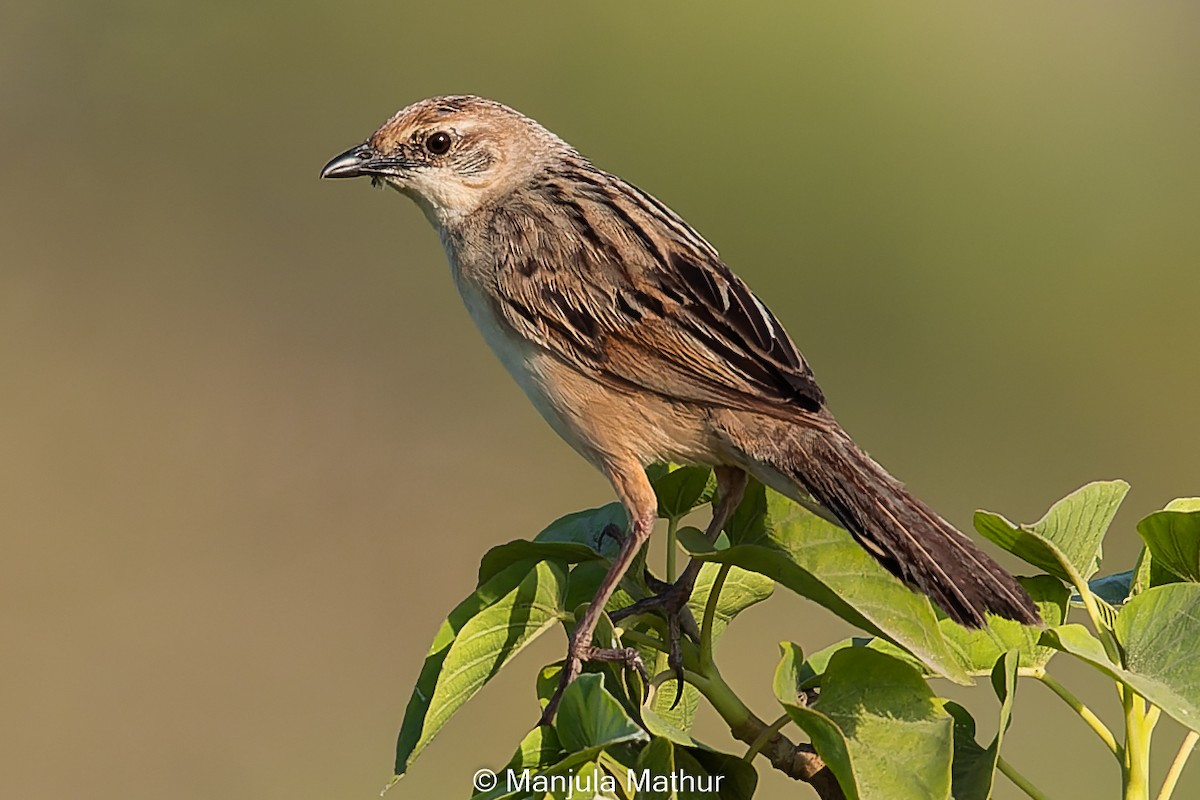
[(628, 657), (671, 604)]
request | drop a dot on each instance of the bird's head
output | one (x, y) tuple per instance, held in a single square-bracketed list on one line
[(452, 154)]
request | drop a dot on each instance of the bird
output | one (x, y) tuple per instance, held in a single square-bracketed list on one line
[(639, 345)]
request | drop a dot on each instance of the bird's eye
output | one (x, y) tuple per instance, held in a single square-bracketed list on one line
[(438, 143)]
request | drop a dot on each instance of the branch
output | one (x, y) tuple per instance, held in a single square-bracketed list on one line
[(800, 762)]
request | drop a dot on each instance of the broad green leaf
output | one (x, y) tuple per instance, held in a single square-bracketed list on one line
[(741, 590), (876, 724), (789, 681), (656, 758), (811, 671), (1184, 504), (974, 768), (585, 580), (1173, 539), (737, 779), (665, 770), (979, 648), (547, 682), (1068, 538), (539, 749), (775, 537), (664, 727), (579, 538), (682, 489), (591, 717), (478, 638), (523, 551), (1159, 631), (589, 527), (553, 781)]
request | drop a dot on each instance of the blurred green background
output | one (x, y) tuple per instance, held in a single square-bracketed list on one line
[(253, 448)]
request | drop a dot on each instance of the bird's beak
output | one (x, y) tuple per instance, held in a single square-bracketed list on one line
[(361, 160)]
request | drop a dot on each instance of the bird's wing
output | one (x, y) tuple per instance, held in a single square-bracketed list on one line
[(618, 286)]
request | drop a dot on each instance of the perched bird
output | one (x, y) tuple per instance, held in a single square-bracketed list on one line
[(638, 345)]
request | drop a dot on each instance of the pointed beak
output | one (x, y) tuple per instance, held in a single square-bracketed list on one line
[(357, 161)]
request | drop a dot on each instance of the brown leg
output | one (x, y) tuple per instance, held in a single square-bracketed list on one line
[(731, 486), (672, 603), (637, 496)]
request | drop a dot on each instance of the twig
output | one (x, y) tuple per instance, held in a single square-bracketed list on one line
[(1085, 713), (1185, 750), (774, 728), (1019, 780), (800, 762)]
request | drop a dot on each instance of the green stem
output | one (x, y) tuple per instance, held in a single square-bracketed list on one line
[(1085, 713), (1152, 717), (764, 737), (1137, 747), (1185, 750), (710, 614), (1020, 781), (672, 547)]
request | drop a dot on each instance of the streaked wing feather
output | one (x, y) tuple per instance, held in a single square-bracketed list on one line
[(637, 298)]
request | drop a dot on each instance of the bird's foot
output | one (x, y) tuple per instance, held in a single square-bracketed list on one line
[(580, 654), (671, 604)]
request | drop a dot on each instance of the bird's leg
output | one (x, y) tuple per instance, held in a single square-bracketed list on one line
[(671, 602), (638, 498)]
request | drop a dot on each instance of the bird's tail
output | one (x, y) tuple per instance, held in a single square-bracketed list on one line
[(907, 537)]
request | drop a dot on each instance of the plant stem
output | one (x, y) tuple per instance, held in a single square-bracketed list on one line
[(757, 745), (1185, 750), (672, 547), (1152, 716), (710, 614), (1137, 748), (1111, 649), (796, 761), (1085, 713), (1020, 781)]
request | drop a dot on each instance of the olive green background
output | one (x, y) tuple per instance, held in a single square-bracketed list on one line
[(251, 447)]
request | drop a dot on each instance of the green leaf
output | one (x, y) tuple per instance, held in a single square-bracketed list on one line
[(523, 551), (665, 770), (591, 717), (588, 527), (1068, 538), (556, 780), (979, 648), (682, 489), (1159, 630), (585, 580), (876, 725), (1173, 539), (775, 537), (813, 669), (539, 749), (974, 768), (478, 638), (741, 590)]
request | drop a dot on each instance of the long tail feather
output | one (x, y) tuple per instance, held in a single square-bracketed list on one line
[(907, 537)]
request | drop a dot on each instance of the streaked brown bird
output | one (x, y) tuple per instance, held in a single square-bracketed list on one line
[(639, 345)]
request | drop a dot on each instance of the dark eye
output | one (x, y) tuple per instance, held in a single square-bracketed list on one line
[(438, 143)]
